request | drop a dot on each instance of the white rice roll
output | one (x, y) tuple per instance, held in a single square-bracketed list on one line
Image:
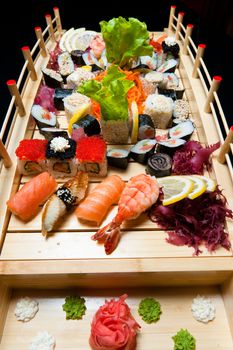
[(61, 168), (74, 103), (96, 169), (28, 167), (159, 108), (78, 77)]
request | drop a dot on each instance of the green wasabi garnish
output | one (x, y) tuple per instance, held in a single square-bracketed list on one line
[(74, 307), (184, 340), (150, 310)]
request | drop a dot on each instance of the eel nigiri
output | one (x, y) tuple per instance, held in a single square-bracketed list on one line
[(96, 204), (138, 195), (26, 201), (66, 196)]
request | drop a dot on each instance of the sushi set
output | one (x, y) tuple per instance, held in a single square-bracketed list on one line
[(116, 194)]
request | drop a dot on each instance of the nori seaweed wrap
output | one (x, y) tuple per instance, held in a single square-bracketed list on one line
[(146, 129), (59, 94), (159, 165), (143, 150), (118, 158), (77, 57)]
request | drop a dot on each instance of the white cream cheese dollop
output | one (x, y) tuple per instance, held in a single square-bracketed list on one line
[(26, 309), (43, 341), (59, 144), (203, 309)]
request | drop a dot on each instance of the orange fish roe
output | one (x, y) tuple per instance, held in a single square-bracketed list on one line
[(32, 150), (92, 149)]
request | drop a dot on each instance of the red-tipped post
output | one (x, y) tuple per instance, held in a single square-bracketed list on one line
[(50, 25), (171, 18), (178, 25), (30, 64), (199, 55), (188, 35), (18, 99), (225, 148), (58, 19), (213, 88), (39, 36)]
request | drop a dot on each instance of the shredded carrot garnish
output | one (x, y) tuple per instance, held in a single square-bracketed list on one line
[(136, 93), (96, 109)]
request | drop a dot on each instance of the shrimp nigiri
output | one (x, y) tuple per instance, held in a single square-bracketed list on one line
[(138, 195)]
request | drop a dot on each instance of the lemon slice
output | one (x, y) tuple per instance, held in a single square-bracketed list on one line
[(210, 183), (199, 187), (175, 188), (77, 115), (134, 114)]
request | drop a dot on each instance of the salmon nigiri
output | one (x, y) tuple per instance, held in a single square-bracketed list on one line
[(97, 203), (26, 201)]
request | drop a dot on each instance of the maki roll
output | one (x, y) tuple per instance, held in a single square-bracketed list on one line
[(86, 126), (43, 117), (146, 129), (65, 64), (78, 77), (60, 154), (170, 146), (168, 93), (159, 108), (159, 165), (181, 110), (50, 133), (31, 156), (75, 103), (142, 150), (59, 94), (169, 45), (118, 158), (77, 58), (52, 78), (91, 156), (183, 130), (168, 66)]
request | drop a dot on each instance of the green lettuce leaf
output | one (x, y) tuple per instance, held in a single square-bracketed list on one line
[(111, 93), (74, 307), (125, 40)]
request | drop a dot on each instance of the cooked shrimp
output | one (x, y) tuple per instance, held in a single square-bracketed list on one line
[(138, 195)]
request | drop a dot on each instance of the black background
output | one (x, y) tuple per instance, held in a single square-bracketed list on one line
[(19, 19)]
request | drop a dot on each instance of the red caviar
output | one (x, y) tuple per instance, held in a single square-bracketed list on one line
[(32, 150), (92, 149)]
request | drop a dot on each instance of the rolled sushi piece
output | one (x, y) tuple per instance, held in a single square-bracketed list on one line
[(52, 78), (76, 102), (159, 108), (170, 45), (146, 129), (118, 158), (77, 58), (91, 156), (65, 64), (43, 117), (60, 154), (59, 94), (168, 66), (143, 150), (31, 156), (78, 77), (50, 133), (170, 146), (159, 165), (183, 130), (85, 126)]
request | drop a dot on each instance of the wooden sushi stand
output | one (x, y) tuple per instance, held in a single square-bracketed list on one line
[(144, 264)]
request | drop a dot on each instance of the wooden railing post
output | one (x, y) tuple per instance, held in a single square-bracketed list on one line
[(58, 19), (30, 66), (39, 36), (179, 21), (50, 24), (225, 148), (188, 34), (199, 55), (18, 99), (171, 19), (5, 156), (210, 97)]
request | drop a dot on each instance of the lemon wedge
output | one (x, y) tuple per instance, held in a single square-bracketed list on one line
[(198, 188), (134, 115), (175, 188), (83, 110), (210, 183)]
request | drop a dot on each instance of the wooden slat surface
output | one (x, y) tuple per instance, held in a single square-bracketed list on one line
[(176, 314)]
